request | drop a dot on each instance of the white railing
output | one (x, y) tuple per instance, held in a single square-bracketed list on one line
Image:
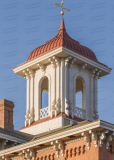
[(80, 113), (44, 112)]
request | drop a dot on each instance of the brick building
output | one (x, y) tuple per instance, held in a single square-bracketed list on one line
[(62, 68)]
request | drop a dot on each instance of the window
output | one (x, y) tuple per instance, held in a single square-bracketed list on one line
[(80, 93), (44, 93)]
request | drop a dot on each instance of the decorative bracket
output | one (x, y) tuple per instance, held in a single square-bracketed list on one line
[(41, 66), (30, 72), (83, 67), (86, 139), (52, 62), (57, 60), (109, 139), (93, 72), (102, 137), (67, 61), (97, 75), (58, 145), (72, 62), (94, 136), (28, 154)]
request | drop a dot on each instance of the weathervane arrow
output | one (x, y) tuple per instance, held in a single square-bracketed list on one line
[(62, 12)]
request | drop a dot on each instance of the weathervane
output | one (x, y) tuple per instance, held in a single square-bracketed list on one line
[(62, 12)]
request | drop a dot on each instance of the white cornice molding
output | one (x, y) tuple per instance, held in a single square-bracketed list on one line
[(57, 51), (86, 60), (73, 131), (37, 60)]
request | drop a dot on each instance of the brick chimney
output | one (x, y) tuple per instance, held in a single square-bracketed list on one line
[(6, 114)]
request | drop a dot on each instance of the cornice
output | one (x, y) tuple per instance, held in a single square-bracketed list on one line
[(86, 60), (73, 131), (57, 51)]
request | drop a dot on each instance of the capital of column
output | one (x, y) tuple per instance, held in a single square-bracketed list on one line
[(83, 67), (41, 66), (52, 62), (67, 60), (57, 60), (72, 62)]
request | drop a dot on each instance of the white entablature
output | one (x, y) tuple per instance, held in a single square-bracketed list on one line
[(62, 73)]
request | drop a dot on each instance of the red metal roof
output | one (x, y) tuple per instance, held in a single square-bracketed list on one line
[(62, 39)]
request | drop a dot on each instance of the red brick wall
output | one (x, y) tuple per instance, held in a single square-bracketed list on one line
[(6, 114), (75, 150), (106, 154)]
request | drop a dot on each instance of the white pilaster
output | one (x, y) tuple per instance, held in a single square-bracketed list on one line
[(71, 87), (57, 85), (96, 97), (92, 97), (28, 93), (62, 84), (67, 86)]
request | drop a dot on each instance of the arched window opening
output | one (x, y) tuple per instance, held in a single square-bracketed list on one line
[(79, 99), (79, 92), (44, 93)]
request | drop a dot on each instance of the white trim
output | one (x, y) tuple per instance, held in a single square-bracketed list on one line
[(64, 134), (57, 51)]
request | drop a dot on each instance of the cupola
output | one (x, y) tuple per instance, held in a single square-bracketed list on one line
[(62, 67)]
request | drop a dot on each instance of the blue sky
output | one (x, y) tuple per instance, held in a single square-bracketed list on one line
[(28, 24)]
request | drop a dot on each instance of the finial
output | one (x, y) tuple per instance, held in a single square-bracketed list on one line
[(62, 12)]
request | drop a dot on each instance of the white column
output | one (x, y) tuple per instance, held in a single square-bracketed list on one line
[(71, 85), (31, 91), (67, 86), (96, 94), (62, 85), (31, 98), (92, 98), (58, 85), (28, 93)]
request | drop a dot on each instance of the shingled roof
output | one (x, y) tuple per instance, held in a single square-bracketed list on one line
[(62, 39)]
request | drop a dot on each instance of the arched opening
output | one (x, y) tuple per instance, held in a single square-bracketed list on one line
[(44, 93), (80, 98), (79, 92)]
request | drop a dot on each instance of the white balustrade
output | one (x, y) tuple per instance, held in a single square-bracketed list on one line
[(44, 112), (80, 113)]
